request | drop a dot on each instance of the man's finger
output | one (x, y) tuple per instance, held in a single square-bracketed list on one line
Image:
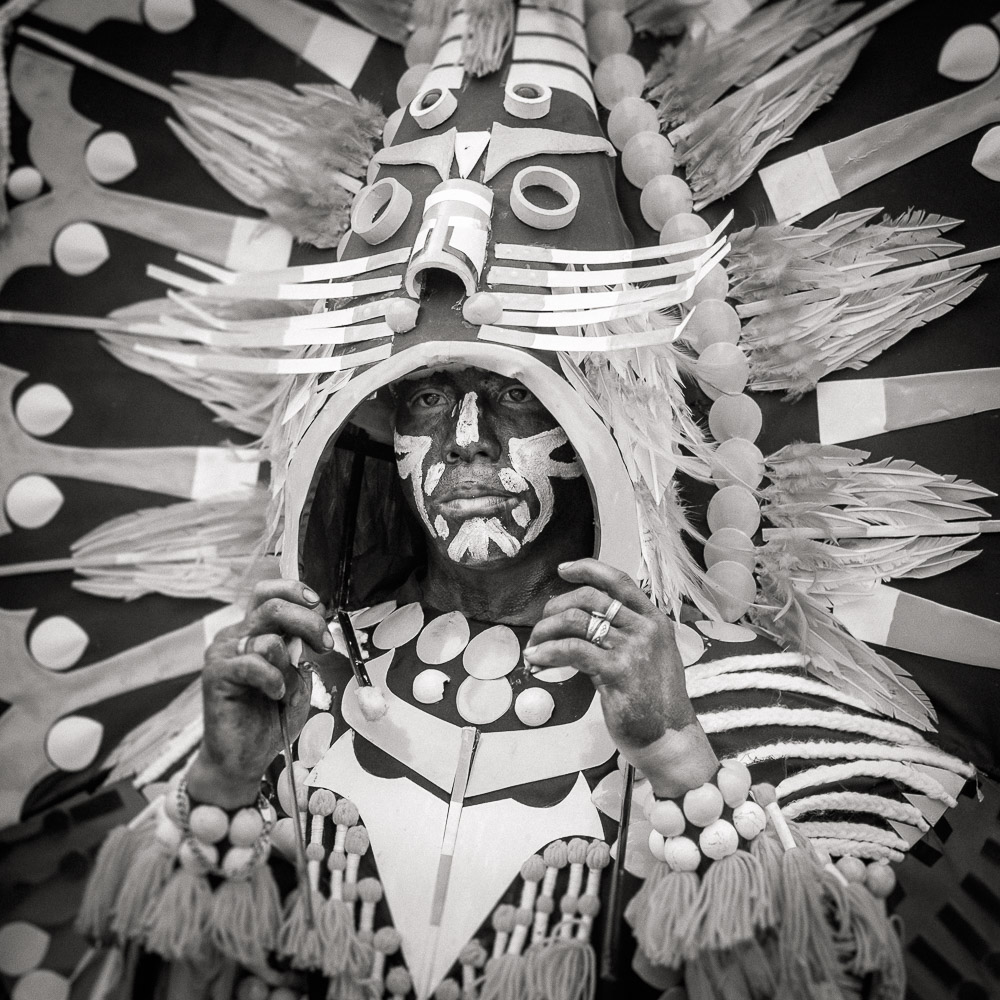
[(569, 624), (253, 671), (290, 620), (285, 590), (589, 599), (614, 582), (585, 656)]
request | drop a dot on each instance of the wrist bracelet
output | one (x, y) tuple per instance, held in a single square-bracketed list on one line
[(206, 827)]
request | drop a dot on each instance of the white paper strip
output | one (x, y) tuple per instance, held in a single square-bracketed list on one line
[(613, 255), (274, 338), (326, 319), (556, 342), (799, 185), (894, 618), (267, 366), (858, 408), (306, 272), (499, 275)]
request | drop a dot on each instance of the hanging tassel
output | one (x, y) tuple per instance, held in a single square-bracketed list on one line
[(301, 939), (506, 978), (177, 921), (149, 871), (659, 914), (105, 883), (246, 917), (733, 902), (559, 969), (489, 31)]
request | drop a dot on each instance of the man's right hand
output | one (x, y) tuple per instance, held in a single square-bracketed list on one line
[(247, 674)]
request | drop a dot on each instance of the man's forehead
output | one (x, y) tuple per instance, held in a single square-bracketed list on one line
[(463, 376)]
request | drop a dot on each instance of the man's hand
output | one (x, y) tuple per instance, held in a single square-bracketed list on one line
[(636, 669), (247, 674)]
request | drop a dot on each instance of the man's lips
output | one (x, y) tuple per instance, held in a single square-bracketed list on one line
[(461, 505)]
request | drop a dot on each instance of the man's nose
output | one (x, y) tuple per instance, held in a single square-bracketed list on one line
[(472, 433)]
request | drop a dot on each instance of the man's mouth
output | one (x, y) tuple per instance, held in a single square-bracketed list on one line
[(475, 503)]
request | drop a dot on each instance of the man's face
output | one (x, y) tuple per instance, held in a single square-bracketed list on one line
[(484, 464)]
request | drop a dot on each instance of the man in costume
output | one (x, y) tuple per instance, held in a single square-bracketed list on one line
[(506, 693)]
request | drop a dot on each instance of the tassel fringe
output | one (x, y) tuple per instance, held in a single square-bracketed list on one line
[(489, 33)]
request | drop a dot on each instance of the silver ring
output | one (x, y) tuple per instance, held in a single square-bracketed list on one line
[(613, 608), (596, 621), (242, 644), (600, 632)]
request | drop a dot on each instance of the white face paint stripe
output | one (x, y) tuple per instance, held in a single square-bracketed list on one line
[(467, 427), (410, 454), (441, 527), (434, 474), (530, 459), (474, 536)]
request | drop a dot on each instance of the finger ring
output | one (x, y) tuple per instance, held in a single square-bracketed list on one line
[(241, 646), (600, 632), (596, 621), (613, 608)]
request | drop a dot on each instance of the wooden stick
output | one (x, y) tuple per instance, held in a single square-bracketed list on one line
[(613, 915), (86, 59), (300, 845)]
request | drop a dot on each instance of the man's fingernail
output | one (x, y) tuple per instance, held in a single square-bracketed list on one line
[(566, 565), (528, 650), (310, 595), (327, 640), (281, 693)]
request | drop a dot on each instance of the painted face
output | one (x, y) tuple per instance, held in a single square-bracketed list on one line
[(484, 464)]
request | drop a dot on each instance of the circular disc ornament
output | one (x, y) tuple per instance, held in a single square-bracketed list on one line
[(22, 947), (25, 183), (737, 462), (713, 322), (42, 409), (645, 155), (494, 653), (58, 642), (80, 248), (618, 75), (683, 227), (608, 33), (422, 45), (41, 984), (734, 507), (732, 544), (629, 117), (690, 645), (73, 742), (733, 416), (444, 638), (715, 285), (726, 632), (733, 588), (482, 702), (663, 197), (722, 369), (555, 675), (373, 615), (400, 627), (33, 501)]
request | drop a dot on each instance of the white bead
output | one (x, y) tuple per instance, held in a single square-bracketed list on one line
[(853, 869), (208, 824), (237, 860), (168, 834), (428, 686), (749, 820), (682, 854), (667, 818), (534, 706), (734, 786), (703, 805), (245, 827), (656, 845), (718, 839)]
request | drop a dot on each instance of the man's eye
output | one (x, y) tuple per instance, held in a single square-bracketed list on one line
[(516, 394), (428, 400)]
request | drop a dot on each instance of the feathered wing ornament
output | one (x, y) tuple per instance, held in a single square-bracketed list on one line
[(298, 155), (689, 77), (843, 526), (720, 148)]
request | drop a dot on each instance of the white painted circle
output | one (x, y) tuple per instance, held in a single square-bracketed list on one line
[(166, 16), (555, 675), (22, 947), (971, 53), (58, 642), (482, 702), (493, 653), (42, 984), (80, 248), (110, 157), (33, 501), (42, 409), (726, 631), (72, 743), (400, 627), (690, 645), (25, 183), (444, 638), (367, 617)]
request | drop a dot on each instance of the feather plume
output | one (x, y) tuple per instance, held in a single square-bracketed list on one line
[(298, 155), (829, 491), (639, 395), (389, 19), (689, 77), (194, 549), (721, 147), (489, 32)]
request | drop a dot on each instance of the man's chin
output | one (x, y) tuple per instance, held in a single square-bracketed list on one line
[(480, 542)]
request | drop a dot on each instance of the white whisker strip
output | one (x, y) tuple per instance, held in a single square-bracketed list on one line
[(267, 366), (557, 342), (250, 339), (828, 774), (287, 292), (750, 661), (760, 681), (855, 849), (861, 832), (555, 255)]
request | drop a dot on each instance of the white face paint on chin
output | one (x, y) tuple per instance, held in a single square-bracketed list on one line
[(471, 543)]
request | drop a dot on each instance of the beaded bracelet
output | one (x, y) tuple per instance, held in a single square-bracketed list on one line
[(705, 809), (247, 830)]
